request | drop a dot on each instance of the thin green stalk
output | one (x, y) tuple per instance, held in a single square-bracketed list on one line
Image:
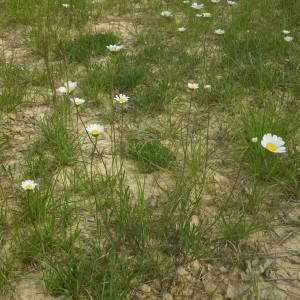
[(77, 119), (122, 133), (101, 154), (92, 160), (186, 140)]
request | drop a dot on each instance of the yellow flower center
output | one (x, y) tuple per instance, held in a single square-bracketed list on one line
[(29, 187), (95, 132), (271, 146), (122, 100), (77, 102), (69, 89)]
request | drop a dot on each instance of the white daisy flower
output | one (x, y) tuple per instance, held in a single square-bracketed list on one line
[(215, 1), (28, 185), (288, 38), (204, 15), (207, 86), (197, 6), (114, 48), (95, 129), (193, 86), (284, 31), (121, 98), (181, 29), (77, 101), (66, 5), (231, 2), (273, 143), (254, 140), (219, 31), (166, 13), (68, 87)]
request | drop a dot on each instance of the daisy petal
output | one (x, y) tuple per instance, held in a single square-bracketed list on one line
[(281, 150)]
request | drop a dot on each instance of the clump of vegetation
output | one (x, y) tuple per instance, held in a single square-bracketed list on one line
[(82, 48), (10, 99), (15, 85), (153, 99), (123, 72), (150, 155), (62, 141)]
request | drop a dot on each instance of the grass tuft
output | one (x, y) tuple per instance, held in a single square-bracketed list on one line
[(82, 48), (150, 155)]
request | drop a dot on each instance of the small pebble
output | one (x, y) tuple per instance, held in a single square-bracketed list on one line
[(168, 296), (145, 288)]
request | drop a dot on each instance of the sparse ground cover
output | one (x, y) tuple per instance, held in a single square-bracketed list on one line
[(149, 149)]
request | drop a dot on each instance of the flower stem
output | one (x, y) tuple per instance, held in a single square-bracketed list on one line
[(92, 160), (77, 118), (122, 132)]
